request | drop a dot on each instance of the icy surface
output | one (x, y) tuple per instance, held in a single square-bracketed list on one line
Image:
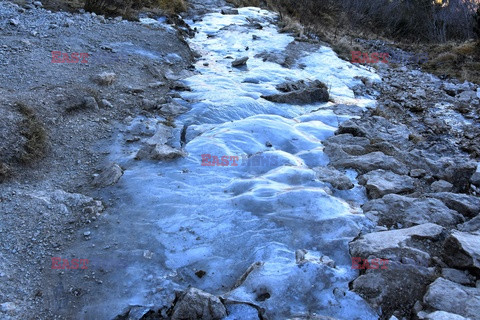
[(174, 218)]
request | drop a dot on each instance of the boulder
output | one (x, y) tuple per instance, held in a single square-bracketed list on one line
[(393, 289), (401, 211), (230, 11), (397, 244), (462, 250), (300, 93), (380, 182), (372, 161), (445, 295), (337, 179), (341, 145), (441, 186), (156, 148), (467, 205), (458, 276), (109, 176), (471, 226), (239, 62), (441, 315), (197, 304)]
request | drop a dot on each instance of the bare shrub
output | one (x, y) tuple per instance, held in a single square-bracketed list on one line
[(35, 134), (414, 20)]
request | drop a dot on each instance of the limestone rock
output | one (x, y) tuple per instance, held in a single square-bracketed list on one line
[(300, 93), (337, 179), (380, 182), (397, 210), (109, 176), (467, 205), (239, 62), (441, 186), (462, 250), (451, 297), (197, 304), (398, 287), (394, 244), (372, 161)]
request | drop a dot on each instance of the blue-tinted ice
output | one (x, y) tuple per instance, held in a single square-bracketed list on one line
[(171, 219)]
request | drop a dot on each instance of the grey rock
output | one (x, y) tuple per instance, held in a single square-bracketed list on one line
[(372, 161), (38, 4), (173, 108), (341, 145), (380, 182), (165, 152), (471, 226), (109, 176), (417, 173), (395, 209), (462, 250), (311, 92), (229, 11), (396, 288), (467, 205), (239, 62), (458, 173), (475, 179), (90, 103), (14, 22), (395, 244), (105, 78), (442, 315), (467, 96), (337, 179), (197, 304), (445, 295), (441, 186), (458, 276), (107, 104)]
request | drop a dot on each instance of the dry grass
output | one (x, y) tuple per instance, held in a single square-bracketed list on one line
[(458, 60), (35, 134), (172, 6)]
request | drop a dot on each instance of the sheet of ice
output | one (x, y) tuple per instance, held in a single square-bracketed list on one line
[(172, 219)]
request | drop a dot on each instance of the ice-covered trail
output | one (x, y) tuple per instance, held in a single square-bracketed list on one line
[(173, 219)]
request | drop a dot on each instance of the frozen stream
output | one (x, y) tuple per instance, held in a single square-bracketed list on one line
[(173, 219)]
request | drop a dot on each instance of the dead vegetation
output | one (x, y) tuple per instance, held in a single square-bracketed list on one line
[(34, 133), (444, 32), (458, 60), (129, 8)]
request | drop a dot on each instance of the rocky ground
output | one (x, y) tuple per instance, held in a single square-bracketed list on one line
[(53, 145), (416, 153)]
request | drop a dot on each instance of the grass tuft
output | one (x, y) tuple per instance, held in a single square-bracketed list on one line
[(35, 134)]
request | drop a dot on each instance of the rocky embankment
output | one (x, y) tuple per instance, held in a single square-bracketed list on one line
[(417, 156)]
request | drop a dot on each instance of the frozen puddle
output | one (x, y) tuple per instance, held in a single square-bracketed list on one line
[(174, 219)]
